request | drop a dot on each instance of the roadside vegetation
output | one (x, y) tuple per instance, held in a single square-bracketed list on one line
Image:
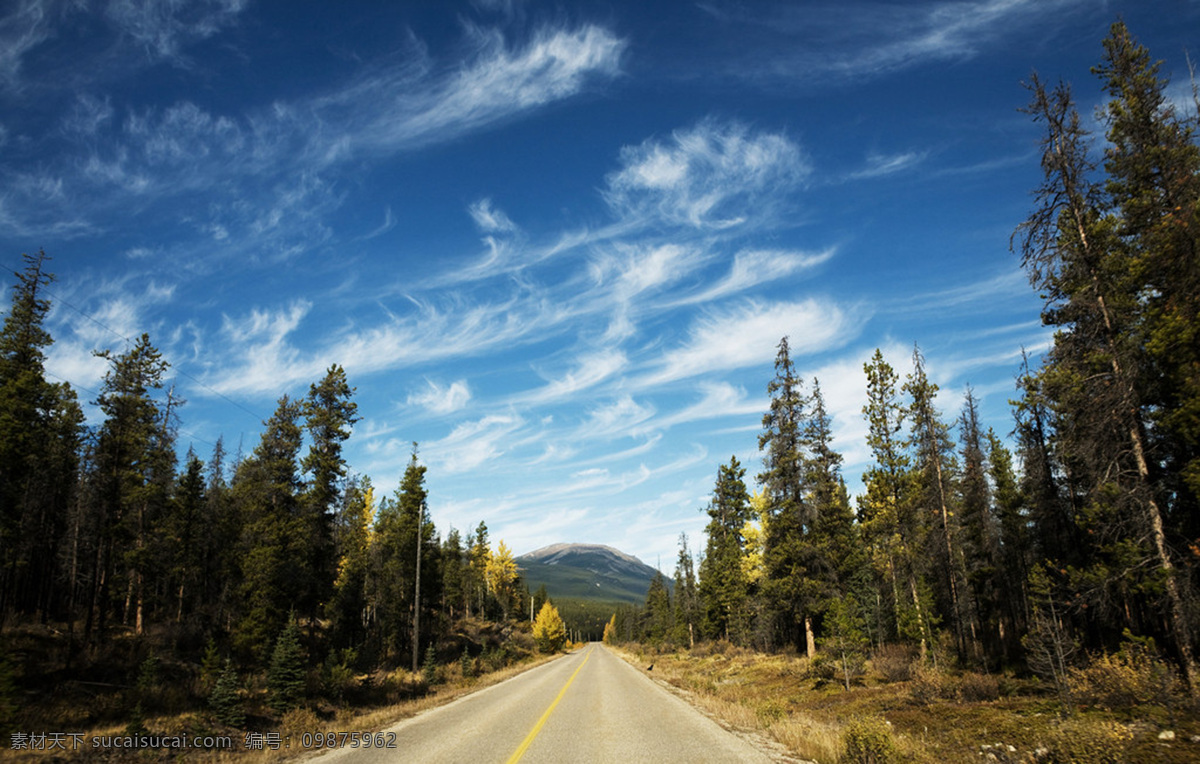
[(898, 710)]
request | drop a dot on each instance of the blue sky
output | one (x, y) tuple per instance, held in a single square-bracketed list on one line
[(555, 244)]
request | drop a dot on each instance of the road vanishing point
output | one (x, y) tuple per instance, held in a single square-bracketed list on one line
[(589, 706)]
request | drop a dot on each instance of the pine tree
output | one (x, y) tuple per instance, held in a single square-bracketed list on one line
[(454, 575), (1152, 162), (186, 537), (980, 547), (429, 669), (224, 700), (134, 470), (1101, 257), (1016, 552), (354, 540), (843, 568), (934, 494), (893, 529), (402, 530), (267, 489), (286, 673), (329, 414), (788, 553), (687, 605), (723, 588), (41, 428), (845, 638), (659, 618)]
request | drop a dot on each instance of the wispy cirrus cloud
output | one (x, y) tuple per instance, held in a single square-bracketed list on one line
[(164, 27), (879, 165), (747, 334), (442, 399), (591, 369), (820, 43), (714, 175), (28, 24), (406, 107), (150, 155), (489, 219), (473, 443), (752, 267)]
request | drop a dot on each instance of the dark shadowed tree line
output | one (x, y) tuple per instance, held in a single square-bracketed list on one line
[(276, 554)]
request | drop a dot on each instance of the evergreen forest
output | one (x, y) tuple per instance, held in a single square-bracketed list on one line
[(1073, 534)]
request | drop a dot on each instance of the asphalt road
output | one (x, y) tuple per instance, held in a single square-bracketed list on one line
[(589, 706)]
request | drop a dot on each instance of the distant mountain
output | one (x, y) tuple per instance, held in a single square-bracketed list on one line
[(587, 572)]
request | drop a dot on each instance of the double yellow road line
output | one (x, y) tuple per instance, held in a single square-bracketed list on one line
[(542, 722)]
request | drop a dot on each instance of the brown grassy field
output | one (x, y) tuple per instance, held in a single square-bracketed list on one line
[(898, 714)]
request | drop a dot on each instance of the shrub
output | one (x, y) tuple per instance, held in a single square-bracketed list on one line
[(868, 740), (929, 685), (771, 711), (1132, 677), (466, 665), (8, 696), (1088, 741), (893, 662), (137, 721), (337, 675), (974, 687)]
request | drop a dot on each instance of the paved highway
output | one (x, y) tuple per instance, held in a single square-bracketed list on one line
[(589, 706)]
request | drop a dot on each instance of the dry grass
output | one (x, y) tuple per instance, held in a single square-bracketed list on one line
[(931, 716)]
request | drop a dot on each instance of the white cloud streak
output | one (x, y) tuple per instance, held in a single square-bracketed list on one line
[(747, 334), (440, 399), (164, 27), (715, 175)]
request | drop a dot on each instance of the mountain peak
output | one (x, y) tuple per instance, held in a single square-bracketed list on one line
[(587, 571), (548, 554)]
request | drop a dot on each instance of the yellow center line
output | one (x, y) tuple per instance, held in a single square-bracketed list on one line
[(542, 722)]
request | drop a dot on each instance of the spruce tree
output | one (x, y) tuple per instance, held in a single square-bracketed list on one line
[(329, 414), (224, 700), (894, 531), (935, 501), (788, 553), (1117, 267), (723, 587), (687, 610), (286, 673), (133, 472), (659, 618), (273, 544), (41, 428)]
